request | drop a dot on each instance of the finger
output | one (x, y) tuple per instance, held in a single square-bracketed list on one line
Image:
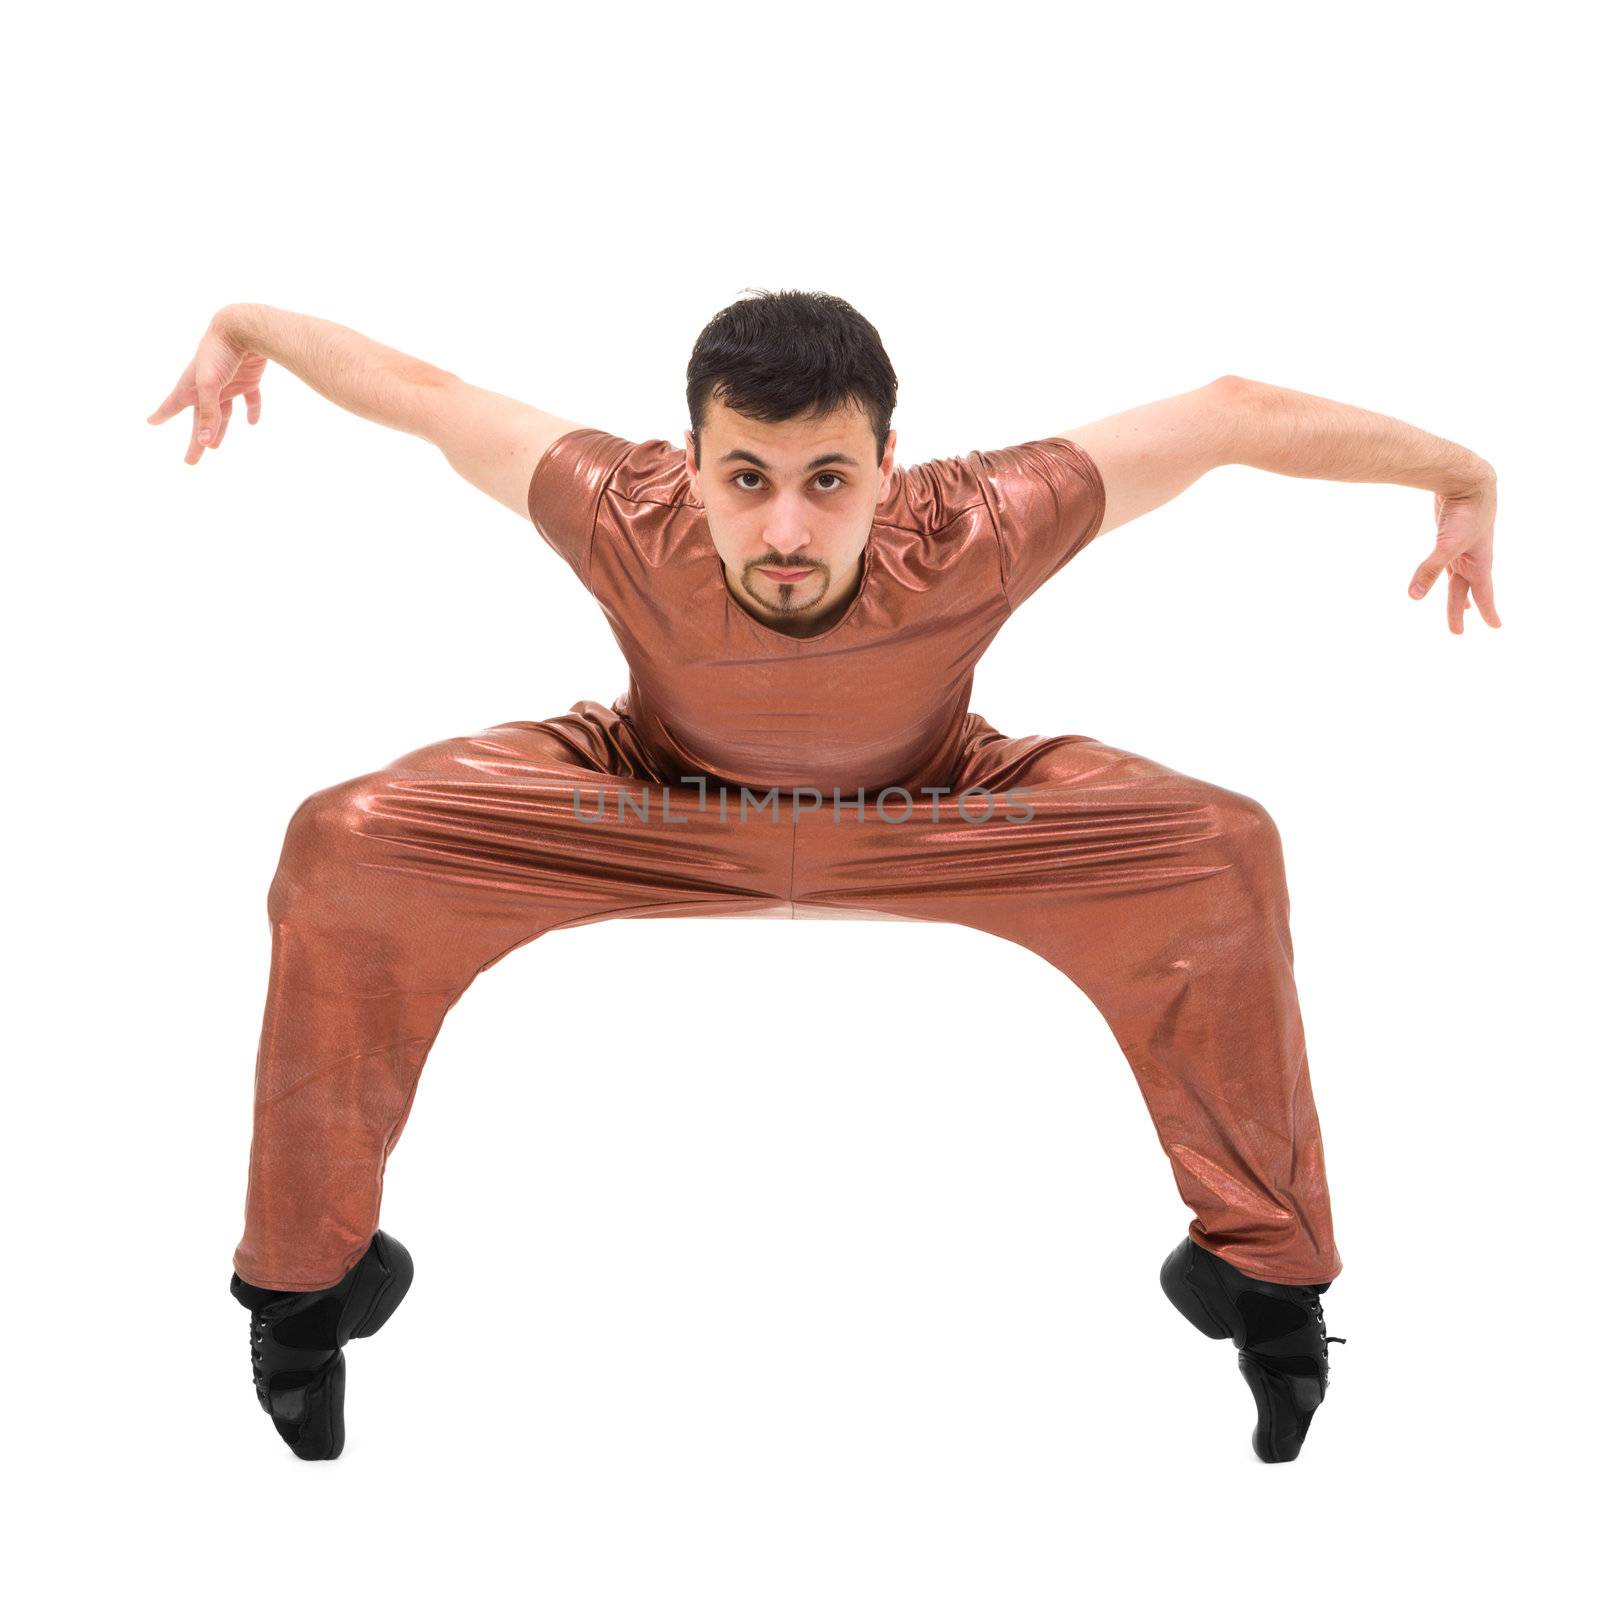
[(252, 401), (174, 403), (1456, 606), (207, 419), (222, 424), (1483, 593), (1423, 578)]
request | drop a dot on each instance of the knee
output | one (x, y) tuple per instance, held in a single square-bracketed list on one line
[(1245, 828), (326, 822), (325, 836)]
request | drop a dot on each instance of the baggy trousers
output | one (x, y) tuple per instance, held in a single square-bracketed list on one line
[(1160, 896)]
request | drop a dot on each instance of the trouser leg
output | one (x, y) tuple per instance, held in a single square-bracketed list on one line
[(393, 891), (1163, 899)]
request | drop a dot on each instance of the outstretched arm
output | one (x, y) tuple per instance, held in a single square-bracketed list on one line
[(1151, 454), (493, 441)]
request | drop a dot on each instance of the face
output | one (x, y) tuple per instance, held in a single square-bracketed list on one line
[(790, 506)]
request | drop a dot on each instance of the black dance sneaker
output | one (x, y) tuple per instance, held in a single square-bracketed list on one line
[(297, 1341), (1278, 1328)]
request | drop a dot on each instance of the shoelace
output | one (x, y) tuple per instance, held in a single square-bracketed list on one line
[(1322, 1327), (258, 1329)]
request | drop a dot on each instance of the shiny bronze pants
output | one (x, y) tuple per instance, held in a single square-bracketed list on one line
[(1160, 896)]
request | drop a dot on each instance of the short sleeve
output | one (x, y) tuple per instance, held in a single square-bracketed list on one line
[(568, 484), (1047, 500)]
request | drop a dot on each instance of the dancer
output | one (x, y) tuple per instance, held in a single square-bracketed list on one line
[(801, 617)]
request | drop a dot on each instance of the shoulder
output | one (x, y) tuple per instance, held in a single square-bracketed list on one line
[(653, 472), (1046, 502), (647, 471), (934, 494), (1052, 464), (588, 479), (931, 496), (575, 464)]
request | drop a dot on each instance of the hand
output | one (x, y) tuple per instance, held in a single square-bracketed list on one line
[(1465, 549), (222, 368)]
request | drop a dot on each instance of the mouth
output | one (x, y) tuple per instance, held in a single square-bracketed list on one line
[(785, 574)]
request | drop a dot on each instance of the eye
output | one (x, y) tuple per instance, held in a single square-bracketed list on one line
[(751, 473)]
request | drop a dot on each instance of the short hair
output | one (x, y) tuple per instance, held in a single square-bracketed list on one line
[(791, 352)]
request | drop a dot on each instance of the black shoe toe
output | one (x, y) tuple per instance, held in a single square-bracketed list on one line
[(309, 1416), (1285, 1404)]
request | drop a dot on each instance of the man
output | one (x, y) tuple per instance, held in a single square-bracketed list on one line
[(801, 618)]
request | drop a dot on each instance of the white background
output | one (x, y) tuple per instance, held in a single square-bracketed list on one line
[(855, 1299)]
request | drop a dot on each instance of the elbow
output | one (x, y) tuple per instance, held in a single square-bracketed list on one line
[(1231, 387), (1232, 416)]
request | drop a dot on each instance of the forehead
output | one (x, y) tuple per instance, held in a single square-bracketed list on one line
[(845, 435)]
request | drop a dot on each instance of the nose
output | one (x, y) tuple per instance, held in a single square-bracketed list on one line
[(786, 535), (786, 544)]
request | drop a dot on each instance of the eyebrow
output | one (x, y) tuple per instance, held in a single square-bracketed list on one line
[(821, 461)]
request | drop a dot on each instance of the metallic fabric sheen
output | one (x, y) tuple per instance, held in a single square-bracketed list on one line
[(747, 772)]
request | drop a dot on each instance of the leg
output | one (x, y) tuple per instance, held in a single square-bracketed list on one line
[(1163, 898), (394, 890)]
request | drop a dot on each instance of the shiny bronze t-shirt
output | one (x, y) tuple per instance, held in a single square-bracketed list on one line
[(877, 699)]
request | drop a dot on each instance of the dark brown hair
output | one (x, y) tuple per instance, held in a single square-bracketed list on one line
[(791, 352)]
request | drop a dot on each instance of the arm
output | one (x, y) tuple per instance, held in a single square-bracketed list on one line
[(493, 441), (1151, 454)]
